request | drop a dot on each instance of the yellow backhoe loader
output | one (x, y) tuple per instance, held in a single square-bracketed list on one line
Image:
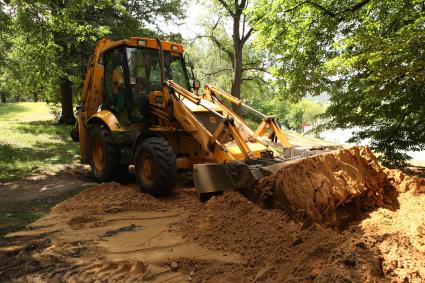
[(139, 107)]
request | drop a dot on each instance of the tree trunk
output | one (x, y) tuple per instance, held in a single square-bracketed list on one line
[(67, 115), (35, 96), (240, 36), (3, 97), (237, 77), (237, 60)]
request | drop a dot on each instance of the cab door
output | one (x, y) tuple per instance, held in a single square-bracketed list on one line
[(115, 91)]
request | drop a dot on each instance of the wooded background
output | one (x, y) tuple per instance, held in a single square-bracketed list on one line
[(327, 63)]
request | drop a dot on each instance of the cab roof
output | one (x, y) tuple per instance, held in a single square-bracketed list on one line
[(143, 42)]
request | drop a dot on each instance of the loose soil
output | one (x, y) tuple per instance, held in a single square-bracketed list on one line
[(24, 201), (112, 232), (333, 188)]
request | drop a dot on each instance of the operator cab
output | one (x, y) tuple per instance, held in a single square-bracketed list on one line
[(133, 79)]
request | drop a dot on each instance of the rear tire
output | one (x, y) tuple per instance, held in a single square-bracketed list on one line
[(104, 154), (155, 166)]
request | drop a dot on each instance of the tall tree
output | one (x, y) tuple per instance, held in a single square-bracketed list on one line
[(230, 15), (368, 55), (5, 21), (59, 36)]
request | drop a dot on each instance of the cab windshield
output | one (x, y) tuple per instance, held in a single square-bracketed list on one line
[(144, 69)]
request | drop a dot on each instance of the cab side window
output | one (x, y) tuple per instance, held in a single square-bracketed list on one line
[(114, 84)]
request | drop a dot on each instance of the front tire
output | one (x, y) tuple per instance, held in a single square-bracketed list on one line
[(155, 166), (104, 154)]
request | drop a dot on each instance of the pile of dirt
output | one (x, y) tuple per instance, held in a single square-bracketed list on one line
[(108, 198), (112, 232), (274, 248), (241, 223), (332, 188), (403, 183), (383, 245), (399, 236)]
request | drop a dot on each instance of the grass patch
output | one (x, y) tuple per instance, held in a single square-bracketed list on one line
[(20, 216), (31, 142)]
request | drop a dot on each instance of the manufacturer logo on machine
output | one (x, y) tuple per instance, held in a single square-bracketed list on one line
[(158, 99)]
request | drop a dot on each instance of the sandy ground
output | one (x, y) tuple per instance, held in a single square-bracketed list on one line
[(112, 232)]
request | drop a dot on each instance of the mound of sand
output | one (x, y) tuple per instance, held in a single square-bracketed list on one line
[(332, 188), (109, 198), (275, 248), (383, 245), (403, 183), (114, 233)]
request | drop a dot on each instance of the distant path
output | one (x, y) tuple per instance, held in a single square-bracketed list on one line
[(41, 187), (299, 140)]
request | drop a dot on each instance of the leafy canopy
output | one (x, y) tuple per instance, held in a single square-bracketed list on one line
[(369, 56), (49, 39)]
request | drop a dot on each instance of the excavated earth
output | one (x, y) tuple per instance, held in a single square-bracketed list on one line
[(333, 217)]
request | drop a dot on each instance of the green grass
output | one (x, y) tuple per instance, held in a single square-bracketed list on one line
[(31, 142)]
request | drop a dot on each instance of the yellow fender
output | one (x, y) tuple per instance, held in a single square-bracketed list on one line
[(108, 118)]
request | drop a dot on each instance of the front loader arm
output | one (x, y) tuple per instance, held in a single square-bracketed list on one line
[(189, 122), (209, 141), (212, 92)]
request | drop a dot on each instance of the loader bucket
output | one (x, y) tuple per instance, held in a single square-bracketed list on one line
[(213, 178), (210, 178)]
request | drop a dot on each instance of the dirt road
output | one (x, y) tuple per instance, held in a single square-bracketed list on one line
[(112, 232), (43, 187)]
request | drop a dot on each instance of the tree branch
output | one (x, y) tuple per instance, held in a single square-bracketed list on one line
[(216, 23), (243, 25), (240, 7), (223, 2), (217, 43), (329, 13), (216, 72), (261, 69), (251, 78), (356, 7), (246, 36), (321, 8)]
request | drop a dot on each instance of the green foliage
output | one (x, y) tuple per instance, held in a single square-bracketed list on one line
[(304, 112), (50, 40), (367, 55), (207, 60), (212, 66), (31, 142), (215, 50)]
